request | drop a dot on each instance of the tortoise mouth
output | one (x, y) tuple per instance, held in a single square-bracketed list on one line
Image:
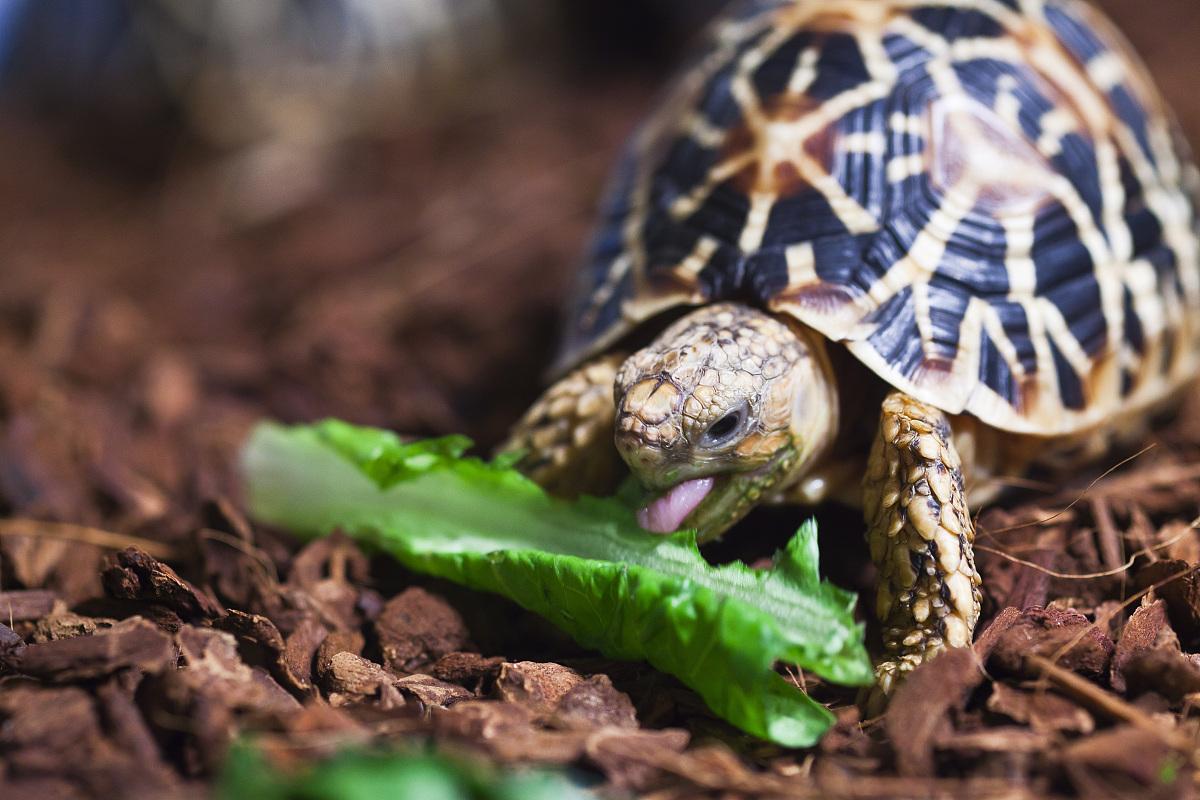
[(713, 503), (669, 510)]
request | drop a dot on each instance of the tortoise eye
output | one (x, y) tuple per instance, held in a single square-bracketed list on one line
[(724, 429)]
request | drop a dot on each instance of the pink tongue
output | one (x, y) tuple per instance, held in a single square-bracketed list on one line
[(665, 514)]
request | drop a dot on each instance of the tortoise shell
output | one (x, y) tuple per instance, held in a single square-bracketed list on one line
[(986, 201)]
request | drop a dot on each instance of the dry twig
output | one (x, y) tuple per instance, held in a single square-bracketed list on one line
[(109, 540)]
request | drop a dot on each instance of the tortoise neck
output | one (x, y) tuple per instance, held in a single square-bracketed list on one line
[(815, 404)]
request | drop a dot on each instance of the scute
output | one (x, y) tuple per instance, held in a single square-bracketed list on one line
[(987, 202)]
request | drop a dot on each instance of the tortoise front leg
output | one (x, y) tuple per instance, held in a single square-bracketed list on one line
[(567, 435), (920, 533)]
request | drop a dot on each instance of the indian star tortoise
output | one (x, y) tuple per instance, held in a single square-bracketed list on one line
[(887, 251)]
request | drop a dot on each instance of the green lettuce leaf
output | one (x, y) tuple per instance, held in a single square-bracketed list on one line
[(586, 566)]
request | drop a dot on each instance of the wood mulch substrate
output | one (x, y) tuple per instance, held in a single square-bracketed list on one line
[(145, 622)]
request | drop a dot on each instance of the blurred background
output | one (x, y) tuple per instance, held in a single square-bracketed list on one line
[(367, 208), (215, 210)]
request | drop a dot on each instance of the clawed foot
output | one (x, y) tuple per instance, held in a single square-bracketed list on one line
[(920, 533)]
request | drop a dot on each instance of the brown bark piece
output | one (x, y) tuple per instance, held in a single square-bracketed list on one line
[(416, 628), (335, 557), (257, 633), (1030, 585), (124, 719), (1007, 740), (323, 570), (508, 732), (353, 675), (50, 737), (467, 669), (130, 643), (537, 686), (1180, 588), (336, 642), (1164, 670), (431, 692), (12, 648), (134, 574), (634, 761), (1125, 762), (216, 672), (1139, 635), (918, 711), (300, 651), (986, 641), (594, 703), (482, 720), (23, 606), (1045, 712), (53, 719), (290, 660), (1062, 634), (67, 626)]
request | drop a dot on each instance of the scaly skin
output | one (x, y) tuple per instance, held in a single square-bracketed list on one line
[(566, 436), (921, 535)]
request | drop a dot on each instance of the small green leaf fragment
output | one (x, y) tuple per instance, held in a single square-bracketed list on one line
[(1168, 771), (800, 559), (508, 459), (371, 775)]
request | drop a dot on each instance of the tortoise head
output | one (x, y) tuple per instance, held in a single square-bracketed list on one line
[(728, 406)]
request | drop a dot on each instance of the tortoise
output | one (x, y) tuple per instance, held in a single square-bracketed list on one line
[(893, 252)]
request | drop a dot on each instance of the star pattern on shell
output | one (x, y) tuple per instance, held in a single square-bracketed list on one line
[(986, 201)]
